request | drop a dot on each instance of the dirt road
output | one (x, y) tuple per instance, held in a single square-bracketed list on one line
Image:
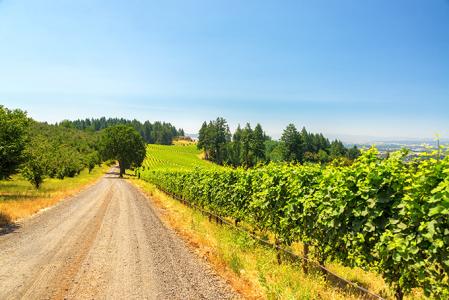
[(105, 243)]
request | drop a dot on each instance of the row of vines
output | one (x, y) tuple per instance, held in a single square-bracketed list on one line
[(173, 157), (382, 214)]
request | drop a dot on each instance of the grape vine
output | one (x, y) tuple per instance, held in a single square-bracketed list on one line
[(387, 215)]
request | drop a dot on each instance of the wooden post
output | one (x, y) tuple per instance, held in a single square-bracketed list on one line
[(278, 252), (399, 294), (305, 263)]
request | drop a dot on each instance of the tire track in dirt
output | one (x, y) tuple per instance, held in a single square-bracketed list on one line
[(70, 256), (80, 251)]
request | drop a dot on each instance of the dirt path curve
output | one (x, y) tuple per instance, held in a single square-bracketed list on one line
[(105, 243)]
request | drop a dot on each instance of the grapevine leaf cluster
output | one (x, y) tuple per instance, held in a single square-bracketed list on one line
[(387, 215)]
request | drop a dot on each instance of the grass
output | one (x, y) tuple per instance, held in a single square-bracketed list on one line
[(19, 199), (251, 268), (176, 156)]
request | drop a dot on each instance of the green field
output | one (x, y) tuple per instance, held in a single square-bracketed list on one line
[(384, 215), (174, 157)]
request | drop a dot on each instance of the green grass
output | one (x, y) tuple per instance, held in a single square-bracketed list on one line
[(19, 199), (174, 157)]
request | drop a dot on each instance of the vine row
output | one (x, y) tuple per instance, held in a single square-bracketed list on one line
[(386, 215)]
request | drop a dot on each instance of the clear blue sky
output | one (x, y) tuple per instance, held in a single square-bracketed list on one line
[(343, 67)]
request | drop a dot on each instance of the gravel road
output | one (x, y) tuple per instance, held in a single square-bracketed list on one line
[(107, 242)]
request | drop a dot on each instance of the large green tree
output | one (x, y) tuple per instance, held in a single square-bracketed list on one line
[(220, 138), (38, 161), (292, 144), (246, 142), (258, 144), (204, 139), (13, 138), (214, 138), (124, 144), (235, 146), (337, 149)]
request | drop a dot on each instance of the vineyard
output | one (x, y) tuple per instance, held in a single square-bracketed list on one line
[(175, 157), (385, 215)]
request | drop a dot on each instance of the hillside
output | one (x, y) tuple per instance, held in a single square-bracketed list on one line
[(173, 157)]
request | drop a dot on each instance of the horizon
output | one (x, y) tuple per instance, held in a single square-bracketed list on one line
[(377, 70), (347, 139)]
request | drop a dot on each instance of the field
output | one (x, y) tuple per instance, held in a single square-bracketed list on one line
[(19, 199), (247, 195), (252, 268), (175, 157)]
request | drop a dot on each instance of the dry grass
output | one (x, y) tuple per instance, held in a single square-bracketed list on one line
[(4, 219), (184, 142), (19, 199), (202, 156), (250, 268)]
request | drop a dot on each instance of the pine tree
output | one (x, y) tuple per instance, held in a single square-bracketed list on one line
[(291, 141), (236, 147), (246, 152), (258, 144), (337, 149), (203, 142)]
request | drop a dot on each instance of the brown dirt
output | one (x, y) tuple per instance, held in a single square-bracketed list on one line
[(106, 242)]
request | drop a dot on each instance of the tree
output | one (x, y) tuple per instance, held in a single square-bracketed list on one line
[(13, 138), (235, 147), (220, 137), (307, 140), (323, 156), (124, 144), (337, 149), (353, 152), (291, 140), (203, 139), (92, 160), (33, 170), (214, 138), (246, 150), (36, 162), (64, 150), (258, 144), (273, 150)]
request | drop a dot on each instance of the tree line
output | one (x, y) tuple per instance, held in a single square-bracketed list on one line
[(249, 147), (57, 152), (153, 133), (38, 150)]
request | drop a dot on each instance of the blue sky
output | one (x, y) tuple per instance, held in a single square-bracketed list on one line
[(348, 68)]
